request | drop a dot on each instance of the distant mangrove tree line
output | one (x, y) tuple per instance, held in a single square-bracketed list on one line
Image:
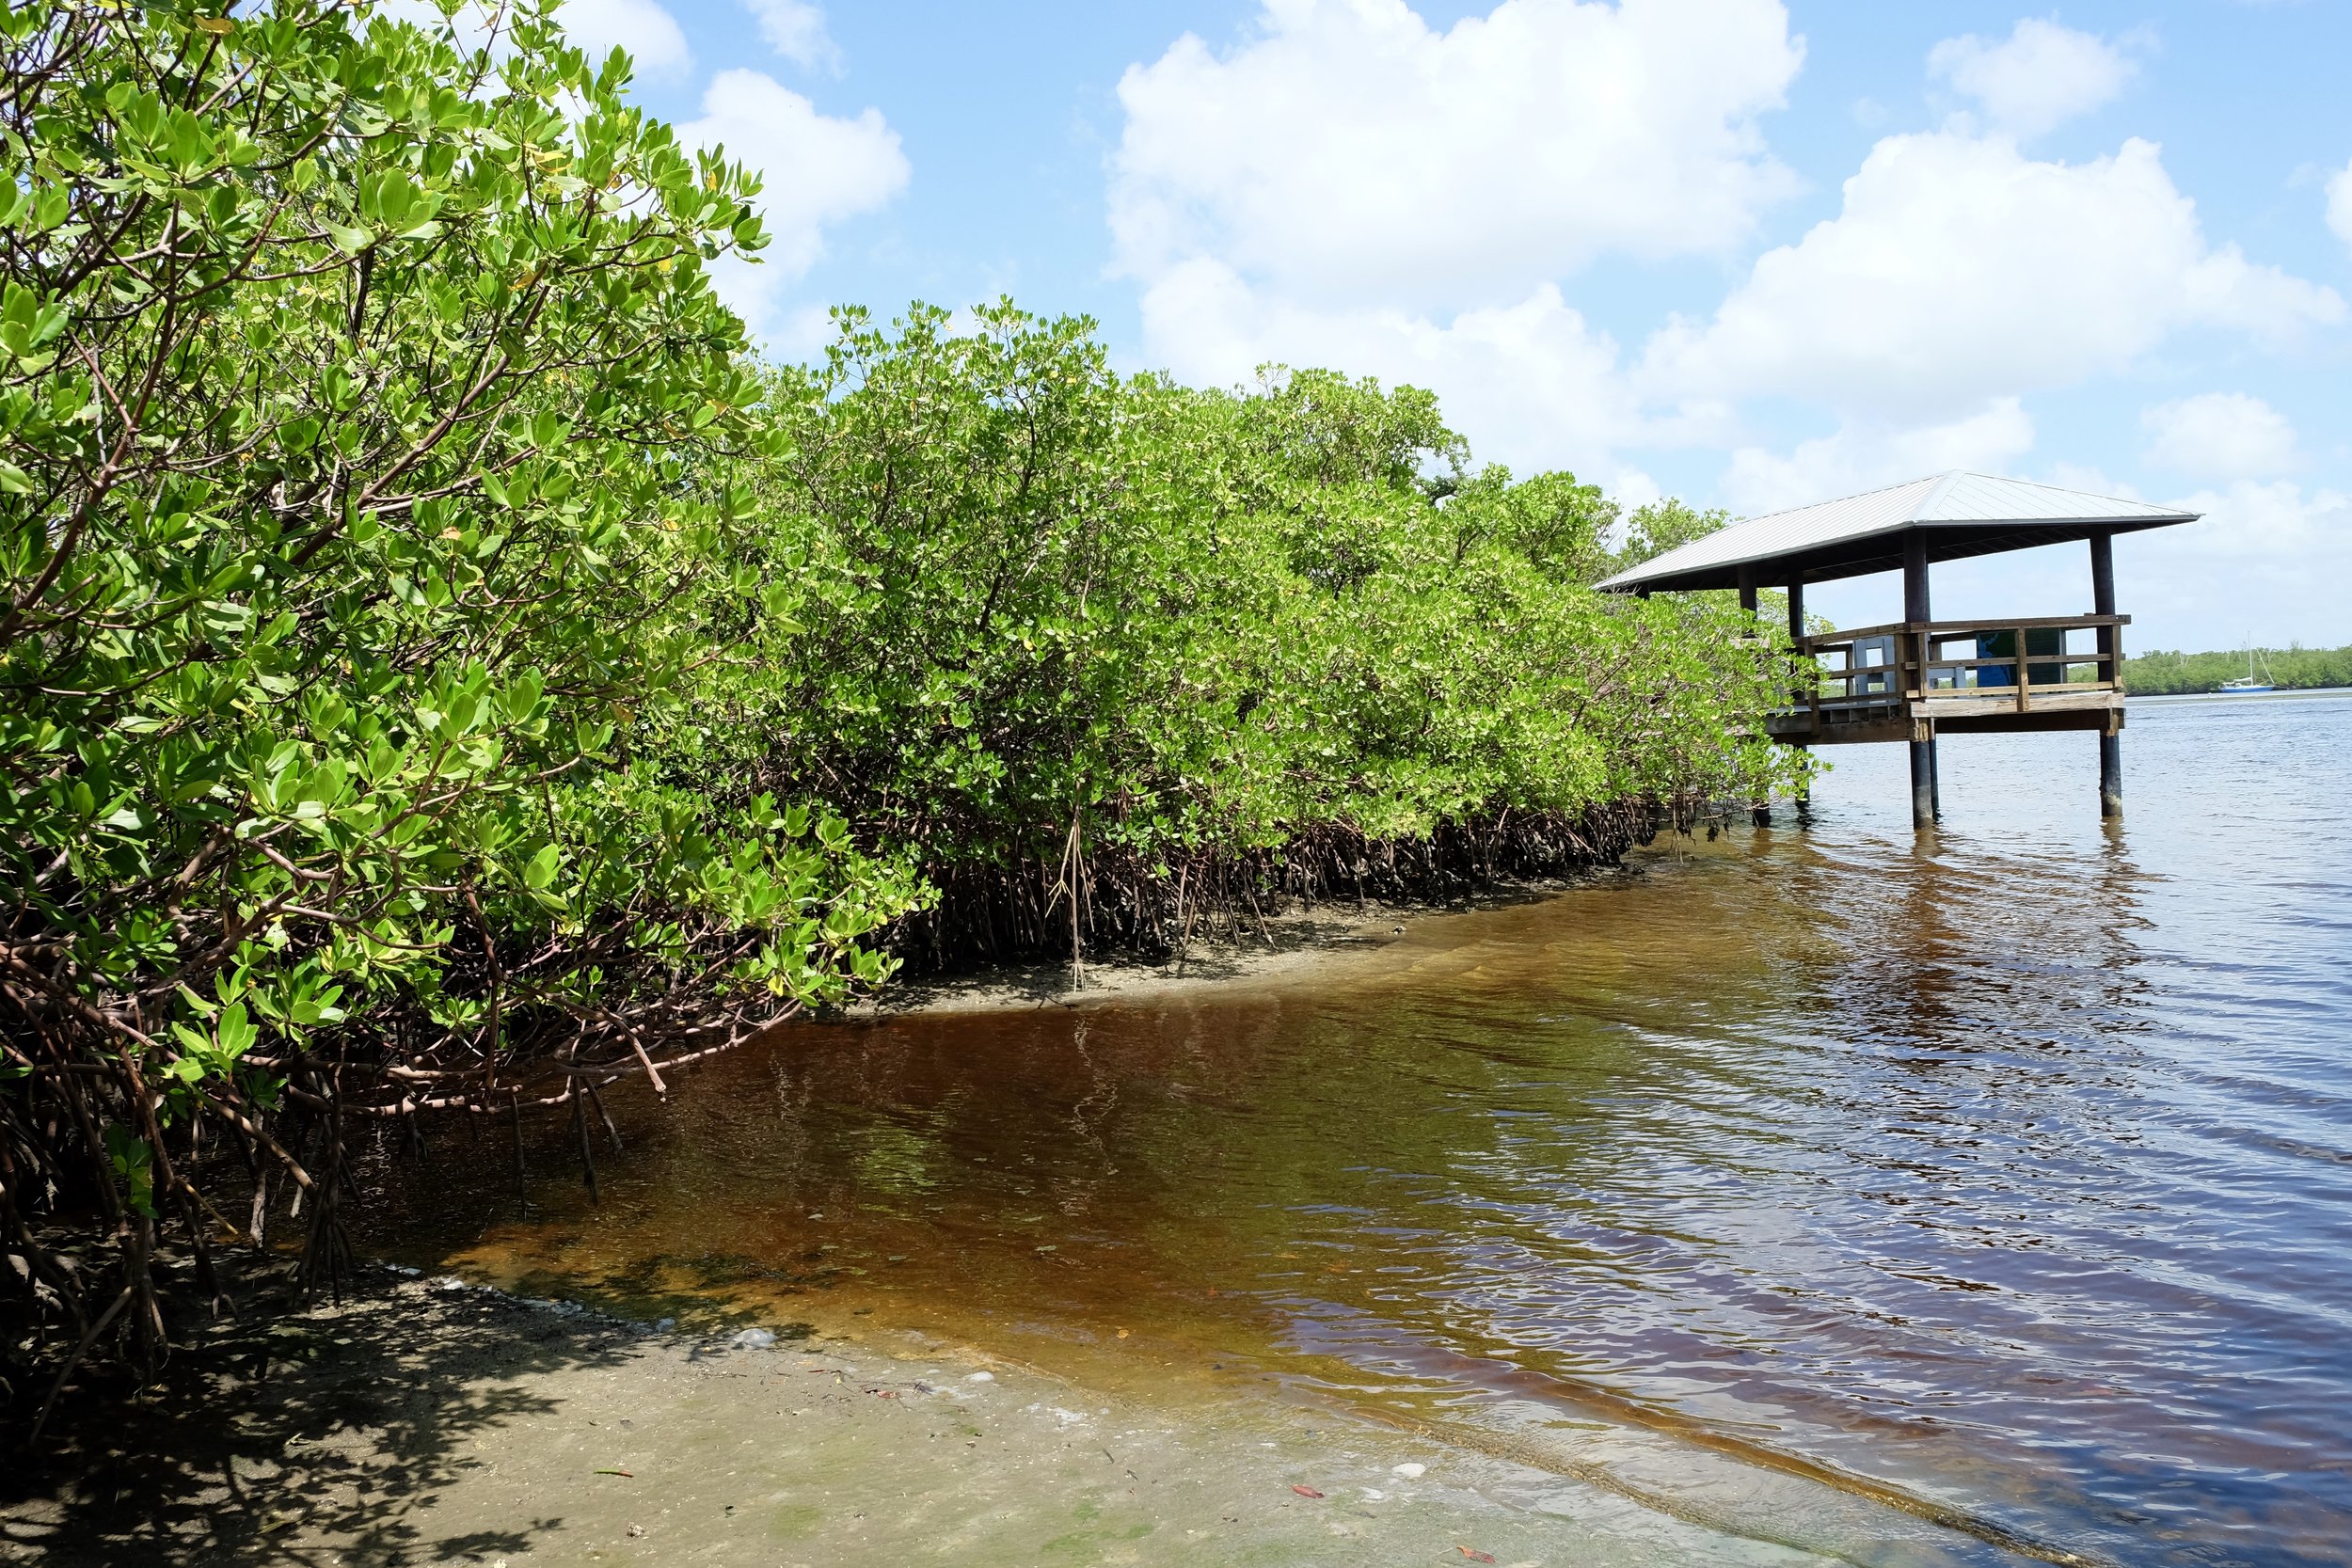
[(2164, 674), (447, 670)]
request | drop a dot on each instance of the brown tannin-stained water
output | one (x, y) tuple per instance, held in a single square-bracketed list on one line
[(1983, 1197)]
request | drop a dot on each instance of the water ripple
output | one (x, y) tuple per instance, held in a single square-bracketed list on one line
[(2001, 1177)]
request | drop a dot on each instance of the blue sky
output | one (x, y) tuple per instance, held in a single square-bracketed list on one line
[(1747, 253)]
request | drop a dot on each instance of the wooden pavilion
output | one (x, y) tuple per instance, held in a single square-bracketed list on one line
[(1914, 679)]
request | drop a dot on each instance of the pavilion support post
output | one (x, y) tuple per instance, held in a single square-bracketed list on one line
[(1926, 803), (2110, 773), (2110, 740), (1807, 687), (1923, 778), (1807, 694), (1916, 607), (1759, 811)]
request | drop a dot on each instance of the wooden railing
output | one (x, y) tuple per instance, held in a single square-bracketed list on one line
[(1910, 663)]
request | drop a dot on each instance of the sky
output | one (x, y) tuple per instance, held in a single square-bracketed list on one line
[(1749, 253)]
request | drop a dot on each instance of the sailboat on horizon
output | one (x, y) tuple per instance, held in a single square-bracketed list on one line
[(2248, 684)]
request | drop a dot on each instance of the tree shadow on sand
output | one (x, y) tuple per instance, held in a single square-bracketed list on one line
[(323, 1436)]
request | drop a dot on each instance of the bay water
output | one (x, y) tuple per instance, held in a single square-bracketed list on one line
[(1976, 1195)]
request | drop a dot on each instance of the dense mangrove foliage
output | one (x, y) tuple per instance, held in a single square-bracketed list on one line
[(447, 671), (1114, 657), (367, 429), (2162, 674)]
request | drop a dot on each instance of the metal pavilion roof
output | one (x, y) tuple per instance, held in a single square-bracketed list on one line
[(1958, 514)]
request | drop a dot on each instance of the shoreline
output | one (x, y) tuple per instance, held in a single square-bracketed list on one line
[(2238, 696), (1298, 945)]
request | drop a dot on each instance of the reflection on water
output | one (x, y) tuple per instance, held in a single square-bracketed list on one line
[(2001, 1174)]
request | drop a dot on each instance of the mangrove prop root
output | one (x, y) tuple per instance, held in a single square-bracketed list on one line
[(1061, 900), (274, 1143)]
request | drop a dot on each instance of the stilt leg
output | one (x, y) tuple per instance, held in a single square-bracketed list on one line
[(1935, 778), (1923, 784), (2110, 775)]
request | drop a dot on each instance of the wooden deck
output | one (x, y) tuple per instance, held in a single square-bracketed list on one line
[(1906, 680)]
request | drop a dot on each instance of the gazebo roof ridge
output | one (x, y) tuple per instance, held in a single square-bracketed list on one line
[(1957, 514)]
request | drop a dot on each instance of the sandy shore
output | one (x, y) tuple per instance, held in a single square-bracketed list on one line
[(428, 1422), (1300, 945)]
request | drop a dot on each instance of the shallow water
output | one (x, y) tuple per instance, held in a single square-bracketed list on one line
[(1877, 1196)]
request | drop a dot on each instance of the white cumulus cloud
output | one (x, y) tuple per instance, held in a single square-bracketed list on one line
[(1352, 151), (2265, 564), (796, 30), (2038, 78), (2273, 521), (2221, 436), (819, 171), (649, 34), (1535, 382), (2340, 204), (1960, 270), (1863, 455), (1352, 187)]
